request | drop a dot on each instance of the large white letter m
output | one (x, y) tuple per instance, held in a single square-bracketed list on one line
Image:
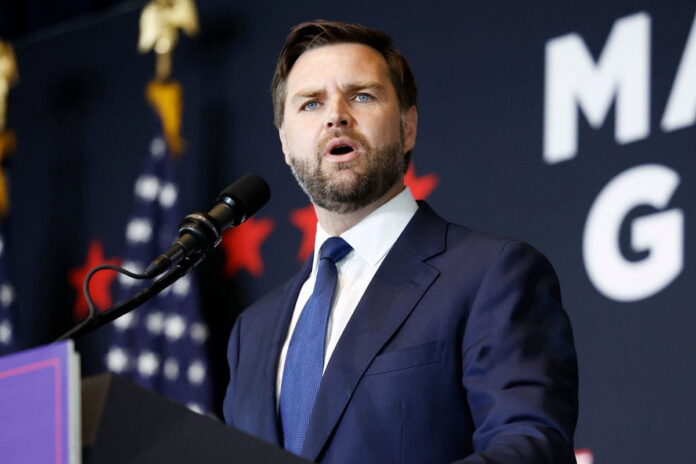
[(622, 73)]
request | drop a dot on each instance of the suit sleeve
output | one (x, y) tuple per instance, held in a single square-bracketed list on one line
[(519, 364)]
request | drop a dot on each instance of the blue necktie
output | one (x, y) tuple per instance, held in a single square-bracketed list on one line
[(304, 362)]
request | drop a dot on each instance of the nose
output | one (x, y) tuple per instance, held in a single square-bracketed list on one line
[(338, 115)]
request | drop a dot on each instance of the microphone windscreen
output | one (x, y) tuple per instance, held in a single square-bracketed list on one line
[(250, 191)]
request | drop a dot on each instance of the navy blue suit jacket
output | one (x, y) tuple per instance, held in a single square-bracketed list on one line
[(458, 350)]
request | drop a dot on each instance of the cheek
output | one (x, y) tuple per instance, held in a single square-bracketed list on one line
[(300, 142), (299, 146), (387, 123), (303, 137), (388, 131)]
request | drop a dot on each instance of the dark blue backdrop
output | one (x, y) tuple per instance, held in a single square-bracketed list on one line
[(83, 126)]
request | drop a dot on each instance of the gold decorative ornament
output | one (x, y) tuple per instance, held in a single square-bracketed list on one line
[(167, 100), (9, 75), (160, 22)]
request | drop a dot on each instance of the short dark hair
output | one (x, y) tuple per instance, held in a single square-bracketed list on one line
[(314, 34)]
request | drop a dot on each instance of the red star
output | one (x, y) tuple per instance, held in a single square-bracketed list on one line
[(421, 186), (100, 283), (305, 219), (242, 246)]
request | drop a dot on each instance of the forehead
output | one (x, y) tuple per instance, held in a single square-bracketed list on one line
[(339, 64)]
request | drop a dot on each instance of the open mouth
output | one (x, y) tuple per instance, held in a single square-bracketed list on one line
[(341, 150)]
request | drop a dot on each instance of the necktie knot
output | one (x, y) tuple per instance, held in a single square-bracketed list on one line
[(334, 249)]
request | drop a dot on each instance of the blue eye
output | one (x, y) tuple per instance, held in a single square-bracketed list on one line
[(363, 97), (313, 105)]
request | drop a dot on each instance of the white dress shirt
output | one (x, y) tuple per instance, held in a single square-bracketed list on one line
[(371, 239)]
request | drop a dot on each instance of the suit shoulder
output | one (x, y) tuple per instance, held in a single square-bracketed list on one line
[(488, 246), (468, 245), (459, 236)]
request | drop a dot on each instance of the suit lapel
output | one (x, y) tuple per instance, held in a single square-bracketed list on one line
[(396, 288), (265, 385)]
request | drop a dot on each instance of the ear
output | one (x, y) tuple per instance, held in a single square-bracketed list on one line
[(284, 144), (410, 128)]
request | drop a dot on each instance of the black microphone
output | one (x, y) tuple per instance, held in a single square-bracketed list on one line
[(200, 232)]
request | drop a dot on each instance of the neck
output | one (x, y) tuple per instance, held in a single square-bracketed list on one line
[(336, 223)]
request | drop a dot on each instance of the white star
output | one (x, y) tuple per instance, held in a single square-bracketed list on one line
[(165, 291), (2, 245), (5, 333), (116, 360), (155, 322), (7, 294), (125, 322), (181, 286), (199, 332), (132, 266), (168, 195), (125, 281), (147, 187), (195, 408), (196, 373), (139, 230), (174, 327), (171, 369), (158, 147), (148, 363)]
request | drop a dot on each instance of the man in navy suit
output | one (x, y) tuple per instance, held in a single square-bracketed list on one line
[(440, 343)]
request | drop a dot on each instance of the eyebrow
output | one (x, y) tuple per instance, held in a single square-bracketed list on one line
[(354, 87), (364, 86)]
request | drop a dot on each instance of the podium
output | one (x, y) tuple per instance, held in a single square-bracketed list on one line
[(42, 406), (125, 423)]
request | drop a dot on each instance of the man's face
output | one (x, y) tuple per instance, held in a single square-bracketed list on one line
[(343, 133)]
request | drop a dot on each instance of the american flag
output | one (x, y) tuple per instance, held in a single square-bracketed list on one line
[(7, 295), (162, 344)]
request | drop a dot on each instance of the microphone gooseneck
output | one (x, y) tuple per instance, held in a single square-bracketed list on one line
[(200, 232)]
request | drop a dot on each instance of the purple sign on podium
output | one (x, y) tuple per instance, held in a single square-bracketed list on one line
[(39, 405)]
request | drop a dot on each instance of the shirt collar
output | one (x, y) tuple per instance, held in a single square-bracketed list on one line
[(386, 223)]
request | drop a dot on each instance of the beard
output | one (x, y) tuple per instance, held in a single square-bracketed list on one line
[(381, 169)]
